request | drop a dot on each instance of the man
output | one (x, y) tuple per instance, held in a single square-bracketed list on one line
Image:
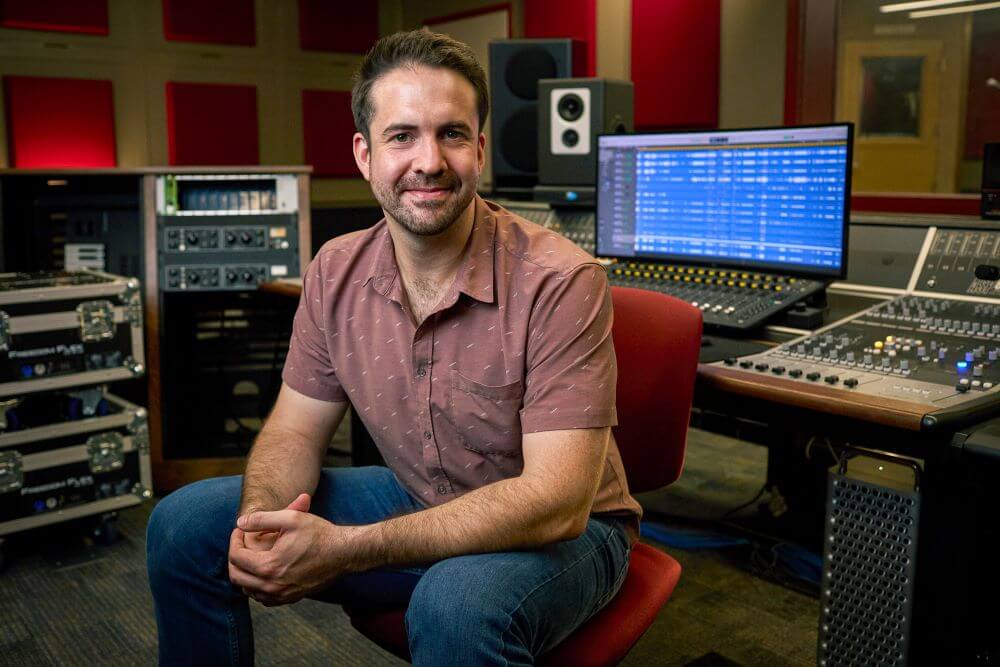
[(477, 349)]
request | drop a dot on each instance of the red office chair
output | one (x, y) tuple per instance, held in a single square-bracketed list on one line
[(657, 342)]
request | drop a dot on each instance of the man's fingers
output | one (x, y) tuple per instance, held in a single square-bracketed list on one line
[(301, 503), (279, 520)]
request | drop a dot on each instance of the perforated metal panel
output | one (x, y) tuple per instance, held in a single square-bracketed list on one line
[(869, 563)]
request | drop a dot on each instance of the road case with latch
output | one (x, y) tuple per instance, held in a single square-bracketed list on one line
[(68, 329), (92, 460)]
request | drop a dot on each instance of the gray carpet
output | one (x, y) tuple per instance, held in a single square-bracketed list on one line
[(67, 601)]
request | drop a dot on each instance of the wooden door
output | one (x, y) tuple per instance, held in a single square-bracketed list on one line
[(891, 92)]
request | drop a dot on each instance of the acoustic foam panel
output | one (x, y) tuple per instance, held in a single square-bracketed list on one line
[(328, 126), (574, 19), (212, 124), (229, 22), (88, 17), (337, 26), (59, 122), (675, 63)]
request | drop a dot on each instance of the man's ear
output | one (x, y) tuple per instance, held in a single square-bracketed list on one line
[(481, 151), (362, 155)]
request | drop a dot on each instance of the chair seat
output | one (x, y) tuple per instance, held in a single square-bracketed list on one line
[(603, 640)]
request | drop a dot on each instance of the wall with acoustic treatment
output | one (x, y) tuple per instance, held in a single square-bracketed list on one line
[(259, 57)]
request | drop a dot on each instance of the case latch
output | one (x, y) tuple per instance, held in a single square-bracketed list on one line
[(106, 452), (4, 331), (97, 320), (11, 476)]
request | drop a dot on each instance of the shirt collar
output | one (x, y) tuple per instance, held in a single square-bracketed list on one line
[(475, 273)]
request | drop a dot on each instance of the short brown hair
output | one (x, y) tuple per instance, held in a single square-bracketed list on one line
[(417, 47)]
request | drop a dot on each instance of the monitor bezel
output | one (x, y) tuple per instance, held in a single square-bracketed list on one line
[(796, 270)]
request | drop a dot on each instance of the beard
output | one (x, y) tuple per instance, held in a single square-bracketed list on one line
[(424, 218)]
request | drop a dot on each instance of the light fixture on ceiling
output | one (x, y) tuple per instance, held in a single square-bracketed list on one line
[(992, 83), (944, 11), (917, 4)]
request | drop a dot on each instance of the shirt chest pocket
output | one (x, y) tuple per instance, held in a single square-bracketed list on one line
[(486, 418)]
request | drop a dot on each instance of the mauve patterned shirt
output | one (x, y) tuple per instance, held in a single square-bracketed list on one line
[(520, 343)]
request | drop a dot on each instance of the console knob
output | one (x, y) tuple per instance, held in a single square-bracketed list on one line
[(192, 238), (886, 362), (850, 357), (969, 356), (247, 277), (977, 372), (904, 365), (992, 355), (851, 383), (868, 360)]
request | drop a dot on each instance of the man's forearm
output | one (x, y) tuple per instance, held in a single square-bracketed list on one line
[(471, 524), (281, 465)]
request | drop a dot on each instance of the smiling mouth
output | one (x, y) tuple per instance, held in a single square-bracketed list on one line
[(428, 193)]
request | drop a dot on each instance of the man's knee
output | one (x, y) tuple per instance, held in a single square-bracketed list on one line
[(452, 611), (191, 524)]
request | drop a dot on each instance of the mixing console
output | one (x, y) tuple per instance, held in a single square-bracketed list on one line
[(727, 298), (919, 349)]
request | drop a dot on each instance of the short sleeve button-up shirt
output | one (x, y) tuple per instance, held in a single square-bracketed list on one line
[(520, 343)]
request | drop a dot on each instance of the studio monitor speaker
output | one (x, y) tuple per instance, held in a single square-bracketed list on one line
[(516, 65), (572, 112), (991, 182), (869, 560)]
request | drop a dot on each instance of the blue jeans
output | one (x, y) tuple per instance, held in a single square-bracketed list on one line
[(498, 608)]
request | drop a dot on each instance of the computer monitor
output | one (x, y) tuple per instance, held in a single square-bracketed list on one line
[(772, 199)]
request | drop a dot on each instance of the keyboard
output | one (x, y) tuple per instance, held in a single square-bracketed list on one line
[(729, 299)]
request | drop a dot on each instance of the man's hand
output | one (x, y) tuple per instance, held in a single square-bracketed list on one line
[(264, 540), (306, 555)]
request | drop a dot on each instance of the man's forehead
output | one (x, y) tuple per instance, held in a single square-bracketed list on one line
[(416, 95)]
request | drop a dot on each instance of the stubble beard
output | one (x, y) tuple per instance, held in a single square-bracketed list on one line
[(424, 218)]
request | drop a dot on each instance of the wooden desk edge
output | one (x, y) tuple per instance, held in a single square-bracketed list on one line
[(875, 409)]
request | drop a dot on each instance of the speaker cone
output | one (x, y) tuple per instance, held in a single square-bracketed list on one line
[(525, 68), (570, 107)]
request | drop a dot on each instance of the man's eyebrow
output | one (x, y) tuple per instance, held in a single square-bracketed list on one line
[(406, 127), (398, 127)]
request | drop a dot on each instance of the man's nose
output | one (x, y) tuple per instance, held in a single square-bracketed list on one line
[(429, 158)]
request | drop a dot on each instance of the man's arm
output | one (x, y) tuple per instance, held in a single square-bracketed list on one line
[(288, 453), (549, 502)]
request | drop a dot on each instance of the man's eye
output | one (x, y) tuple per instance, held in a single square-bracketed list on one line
[(401, 137), (453, 134)]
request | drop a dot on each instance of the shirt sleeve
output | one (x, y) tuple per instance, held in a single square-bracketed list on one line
[(308, 367), (571, 374)]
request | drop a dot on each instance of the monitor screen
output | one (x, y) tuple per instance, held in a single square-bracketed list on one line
[(772, 199)]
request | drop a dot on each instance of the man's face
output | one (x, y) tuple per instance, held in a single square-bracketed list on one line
[(426, 150)]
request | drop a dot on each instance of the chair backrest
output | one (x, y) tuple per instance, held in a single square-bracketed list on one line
[(657, 343)]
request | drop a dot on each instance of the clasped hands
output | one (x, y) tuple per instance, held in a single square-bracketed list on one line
[(280, 557)]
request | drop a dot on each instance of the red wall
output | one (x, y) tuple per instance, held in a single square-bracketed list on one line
[(44, 130), (576, 19), (212, 124), (344, 27), (210, 21), (675, 63), (328, 128), (89, 17)]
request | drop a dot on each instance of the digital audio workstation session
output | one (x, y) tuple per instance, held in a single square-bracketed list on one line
[(466, 332)]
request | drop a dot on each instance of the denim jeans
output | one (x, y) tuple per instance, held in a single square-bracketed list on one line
[(497, 608)]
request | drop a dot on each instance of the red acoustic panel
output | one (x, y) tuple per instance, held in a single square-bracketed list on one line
[(89, 17), (212, 124), (210, 21), (328, 126), (59, 122), (344, 27), (576, 19), (675, 63)]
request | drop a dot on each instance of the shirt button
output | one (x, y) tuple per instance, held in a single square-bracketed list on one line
[(442, 488), (427, 435), (421, 370)]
